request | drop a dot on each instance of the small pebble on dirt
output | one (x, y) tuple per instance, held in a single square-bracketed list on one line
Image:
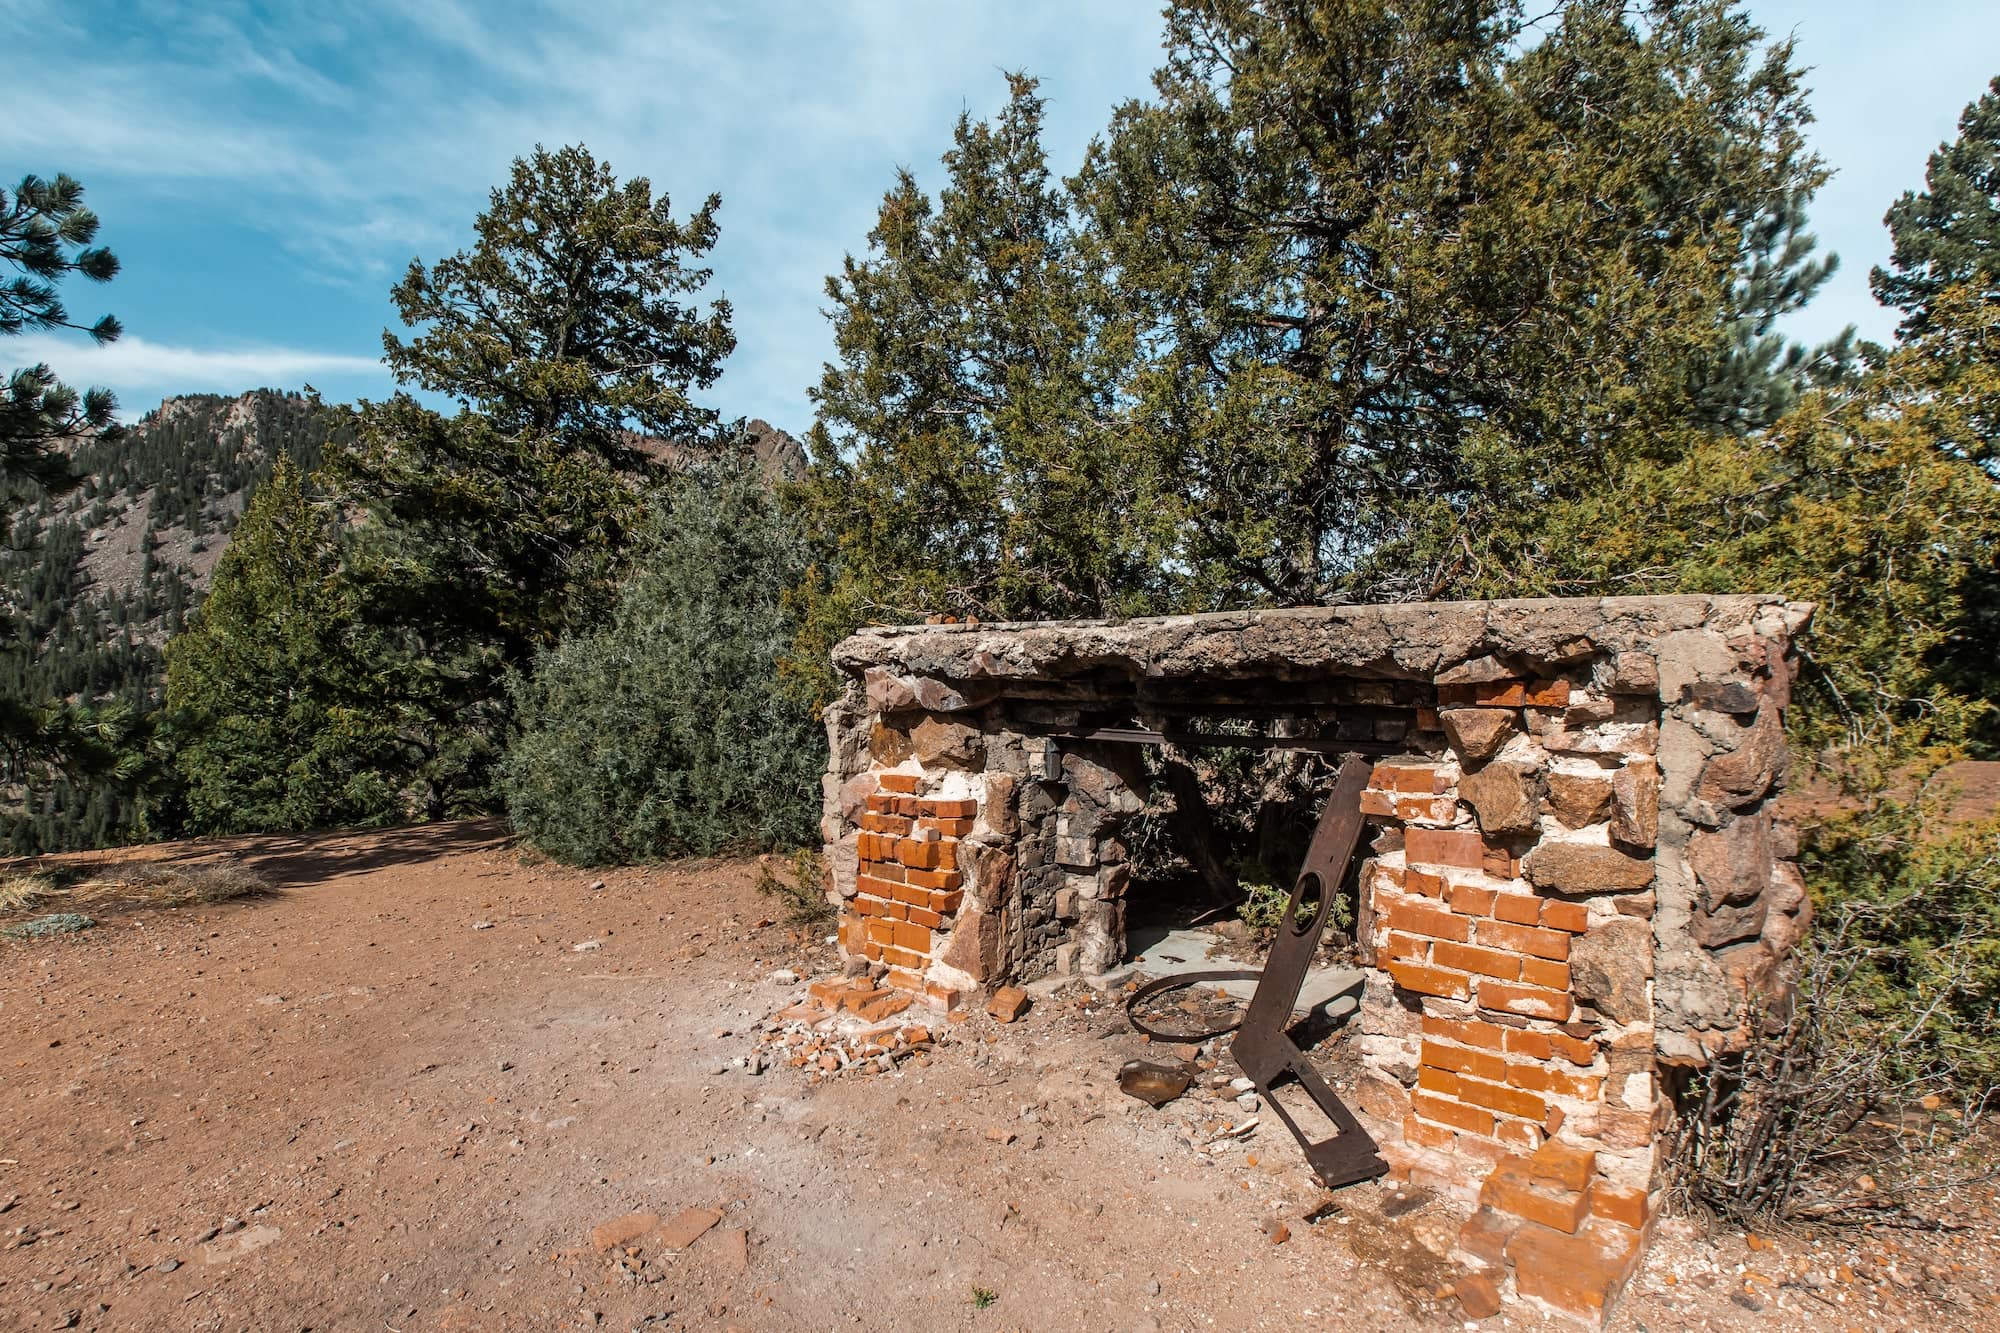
[(167, 1265)]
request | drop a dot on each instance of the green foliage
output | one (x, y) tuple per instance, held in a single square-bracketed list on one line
[(798, 885), (489, 534), (1360, 283), (666, 732), (966, 453), (277, 688), (567, 316), (45, 236), (1948, 235)]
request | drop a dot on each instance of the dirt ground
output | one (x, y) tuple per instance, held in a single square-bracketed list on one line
[(400, 1092)]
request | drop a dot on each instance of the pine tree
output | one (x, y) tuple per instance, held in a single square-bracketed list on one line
[(45, 236), (280, 698), (1402, 269), (967, 455), (1948, 235)]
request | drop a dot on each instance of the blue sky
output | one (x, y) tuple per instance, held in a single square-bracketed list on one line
[(265, 171)]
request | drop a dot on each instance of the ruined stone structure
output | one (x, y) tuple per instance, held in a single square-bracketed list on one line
[(1575, 887)]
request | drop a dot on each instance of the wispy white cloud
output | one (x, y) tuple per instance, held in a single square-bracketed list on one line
[(132, 365)]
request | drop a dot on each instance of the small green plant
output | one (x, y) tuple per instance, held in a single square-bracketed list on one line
[(55, 923), (795, 881), (1263, 907), (983, 1297)]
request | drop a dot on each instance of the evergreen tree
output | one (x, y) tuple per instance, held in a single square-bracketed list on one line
[(1948, 235), (1402, 269), (279, 694), (563, 331), (967, 455), (45, 236), (666, 731)]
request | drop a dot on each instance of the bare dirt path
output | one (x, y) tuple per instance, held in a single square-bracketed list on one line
[(396, 1094)]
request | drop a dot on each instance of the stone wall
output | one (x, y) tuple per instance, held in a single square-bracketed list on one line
[(1575, 879)]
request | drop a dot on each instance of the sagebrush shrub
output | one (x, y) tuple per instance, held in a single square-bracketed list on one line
[(666, 732)]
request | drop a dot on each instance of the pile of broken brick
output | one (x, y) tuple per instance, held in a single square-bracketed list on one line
[(852, 1025)]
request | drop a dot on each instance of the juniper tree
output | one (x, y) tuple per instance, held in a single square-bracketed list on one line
[(666, 732)]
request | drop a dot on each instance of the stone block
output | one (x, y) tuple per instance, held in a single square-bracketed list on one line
[(1505, 796), (1585, 868), (1477, 734), (1610, 965), (1579, 799)]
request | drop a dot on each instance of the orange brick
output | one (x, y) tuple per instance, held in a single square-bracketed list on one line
[(1443, 1111), (921, 855), (1564, 1164), (915, 894), (905, 783), (1529, 940), (945, 901), (1580, 1274), (1571, 917), (1432, 809), (1472, 958), (936, 879), (1528, 1001), (1487, 694), (1423, 919), (884, 870), (857, 996), (948, 828), (948, 855), (1584, 1087), (853, 932), (1500, 1097), (1576, 1050), (1541, 972), (888, 1006), (1429, 980), (911, 936), (924, 917), (1427, 719), (1623, 1205), (1471, 900), (1479, 1064), (1410, 948), (880, 888), (1498, 862), (1425, 1134), (1441, 1081), (1444, 847), (1510, 1189), (1534, 1045), (1424, 882), (882, 932), (896, 957), (1519, 1134), (1375, 802), (960, 809), (828, 992), (872, 951), (903, 979), (1519, 908), (894, 911), (1472, 1032), (908, 806), (1548, 694), (944, 997)]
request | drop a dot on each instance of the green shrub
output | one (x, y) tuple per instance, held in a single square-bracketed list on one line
[(667, 732)]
